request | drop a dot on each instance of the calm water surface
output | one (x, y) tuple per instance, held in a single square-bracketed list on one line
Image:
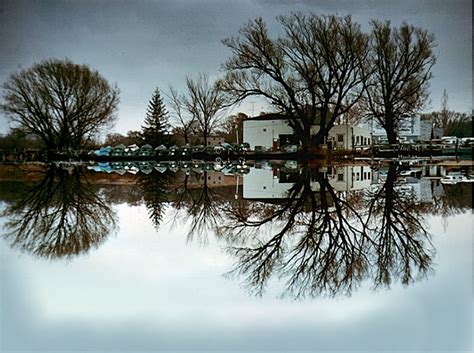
[(267, 258)]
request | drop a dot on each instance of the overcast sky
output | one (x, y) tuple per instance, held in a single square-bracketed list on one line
[(142, 45)]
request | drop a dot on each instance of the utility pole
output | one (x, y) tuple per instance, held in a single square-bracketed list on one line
[(253, 108)]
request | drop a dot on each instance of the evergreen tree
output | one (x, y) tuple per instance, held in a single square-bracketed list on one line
[(156, 121)]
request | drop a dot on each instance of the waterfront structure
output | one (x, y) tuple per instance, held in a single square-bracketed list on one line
[(273, 132)]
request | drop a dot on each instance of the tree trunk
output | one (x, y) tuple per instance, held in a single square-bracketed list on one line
[(389, 127), (391, 135)]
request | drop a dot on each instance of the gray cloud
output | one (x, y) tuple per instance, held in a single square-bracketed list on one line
[(145, 44)]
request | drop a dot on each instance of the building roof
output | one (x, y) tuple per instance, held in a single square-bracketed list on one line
[(277, 116), (271, 116)]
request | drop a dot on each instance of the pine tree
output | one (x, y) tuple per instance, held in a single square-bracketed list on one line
[(156, 121)]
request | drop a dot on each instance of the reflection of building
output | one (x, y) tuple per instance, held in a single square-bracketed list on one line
[(271, 131), (350, 177), (264, 184), (419, 190)]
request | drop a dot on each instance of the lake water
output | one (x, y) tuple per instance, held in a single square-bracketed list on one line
[(263, 257)]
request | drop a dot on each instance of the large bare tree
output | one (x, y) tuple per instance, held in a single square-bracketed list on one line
[(63, 103), (313, 73), (401, 60)]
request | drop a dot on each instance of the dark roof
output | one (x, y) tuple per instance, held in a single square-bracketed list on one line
[(271, 116), (277, 116)]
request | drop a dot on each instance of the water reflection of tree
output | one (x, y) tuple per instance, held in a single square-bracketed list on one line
[(155, 191), (60, 216), (402, 246), (317, 247), (455, 199), (322, 244), (201, 206)]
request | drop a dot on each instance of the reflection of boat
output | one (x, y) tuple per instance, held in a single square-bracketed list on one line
[(455, 178)]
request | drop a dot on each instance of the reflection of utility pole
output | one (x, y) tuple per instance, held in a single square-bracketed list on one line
[(236, 195)]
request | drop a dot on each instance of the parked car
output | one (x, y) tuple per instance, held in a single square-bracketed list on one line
[(290, 148), (173, 151), (185, 150), (198, 149)]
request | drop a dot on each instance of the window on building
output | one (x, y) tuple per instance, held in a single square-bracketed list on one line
[(340, 177), (357, 176), (357, 140), (340, 138), (368, 174), (365, 176), (264, 130)]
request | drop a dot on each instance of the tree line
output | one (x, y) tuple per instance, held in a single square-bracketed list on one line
[(321, 69)]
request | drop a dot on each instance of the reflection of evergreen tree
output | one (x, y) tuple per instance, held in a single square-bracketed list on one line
[(155, 192), (156, 121), (59, 217), (202, 206)]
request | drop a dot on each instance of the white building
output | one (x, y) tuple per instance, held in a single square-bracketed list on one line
[(346, 136), (270, 132), (411, 128)]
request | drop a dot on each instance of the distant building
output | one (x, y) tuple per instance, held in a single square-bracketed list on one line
[(412, 128), (272, 131), (212, 140)]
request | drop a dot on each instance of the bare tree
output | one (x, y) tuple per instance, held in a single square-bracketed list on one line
[(63, 103), (205, 102), (185, 122), (313, 73), (397, 85)]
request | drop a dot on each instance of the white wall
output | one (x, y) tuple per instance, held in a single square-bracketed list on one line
[(262, 132), (261, 184), (347, 131)]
